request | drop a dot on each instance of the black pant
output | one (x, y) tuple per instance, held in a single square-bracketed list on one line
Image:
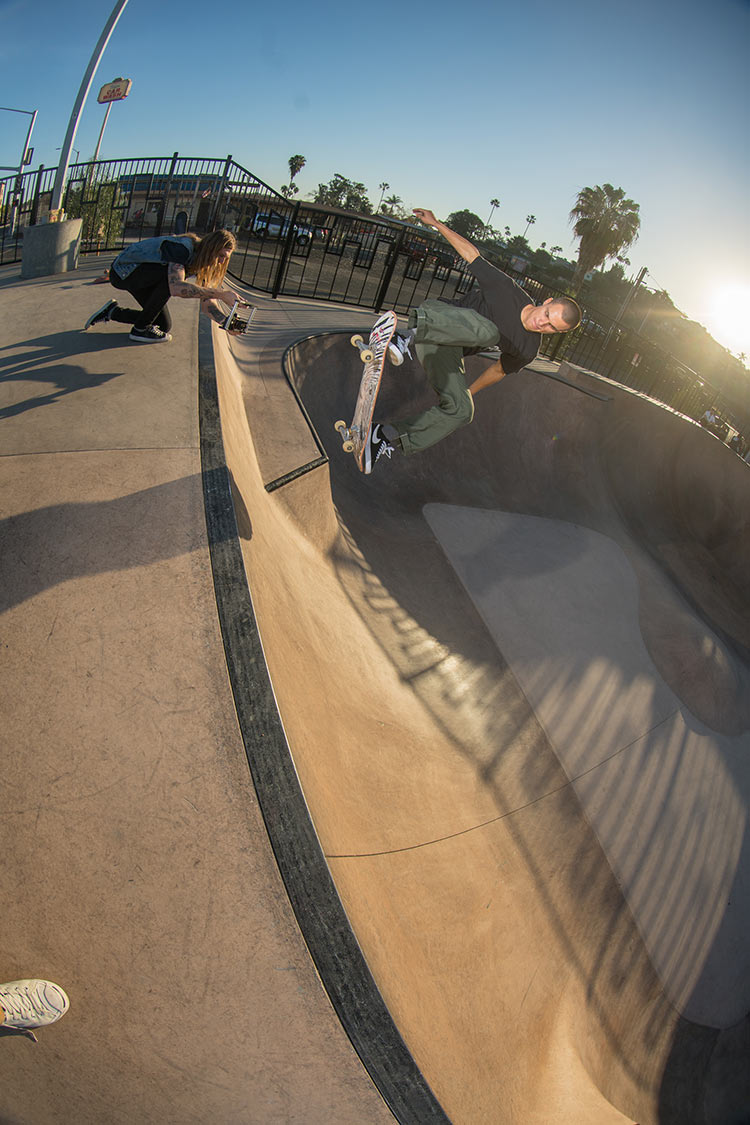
[(149, 285)]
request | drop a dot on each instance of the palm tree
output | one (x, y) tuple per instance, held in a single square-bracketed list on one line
[(494, 203), (606, 223), (556, 250), (530, 219), (296, 164), (383, 189), (393, 206)]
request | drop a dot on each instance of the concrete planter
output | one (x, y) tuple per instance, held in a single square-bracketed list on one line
[(51, 248)]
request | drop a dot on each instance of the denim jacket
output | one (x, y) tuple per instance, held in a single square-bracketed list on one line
[(167, 248)]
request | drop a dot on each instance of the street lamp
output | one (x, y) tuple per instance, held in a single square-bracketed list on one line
[(26, 154), (25, 159), (77, 151)]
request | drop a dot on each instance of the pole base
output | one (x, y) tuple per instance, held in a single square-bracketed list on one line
[(51, 248)]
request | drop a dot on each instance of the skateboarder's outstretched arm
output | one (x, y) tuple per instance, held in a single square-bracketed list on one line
[(461, 245)]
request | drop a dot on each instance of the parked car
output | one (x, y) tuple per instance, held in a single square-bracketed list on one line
[(272, 225)]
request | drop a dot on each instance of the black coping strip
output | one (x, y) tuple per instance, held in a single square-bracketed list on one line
[(295, 474), (302, 864)]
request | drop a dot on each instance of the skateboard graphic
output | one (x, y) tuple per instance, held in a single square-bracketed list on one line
[(236, 323), (372, 354)]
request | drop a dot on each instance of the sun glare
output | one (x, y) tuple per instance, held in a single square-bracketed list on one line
[(728, 316)]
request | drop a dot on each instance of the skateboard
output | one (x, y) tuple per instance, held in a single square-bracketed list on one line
[(236, 323), (372, 354)]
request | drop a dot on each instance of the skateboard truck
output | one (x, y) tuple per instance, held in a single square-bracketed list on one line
[(236, 323), (347, 435), (366, 353)]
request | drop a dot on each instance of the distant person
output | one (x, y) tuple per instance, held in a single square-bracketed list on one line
[(156, 269), (28, 1004), (498, 312)]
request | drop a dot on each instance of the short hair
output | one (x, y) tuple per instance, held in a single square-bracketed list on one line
[(570, 310)]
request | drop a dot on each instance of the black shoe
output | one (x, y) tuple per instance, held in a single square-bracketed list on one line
[(101, 315), (398, 348), (149, 335), (377, 446)]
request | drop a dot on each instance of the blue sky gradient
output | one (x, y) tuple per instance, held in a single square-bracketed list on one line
[(452, 105)]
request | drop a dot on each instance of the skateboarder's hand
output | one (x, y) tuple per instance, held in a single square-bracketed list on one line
[(228, 296), (425, 217)]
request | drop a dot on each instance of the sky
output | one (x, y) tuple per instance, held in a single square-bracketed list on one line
[(451, 105)]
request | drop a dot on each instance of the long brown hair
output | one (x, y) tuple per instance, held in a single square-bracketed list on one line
[(204, 264)]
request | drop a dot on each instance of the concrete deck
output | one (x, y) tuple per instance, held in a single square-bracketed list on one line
[(512, 677), (137, 870)]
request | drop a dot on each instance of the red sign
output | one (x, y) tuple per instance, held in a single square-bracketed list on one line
[(114, 91)]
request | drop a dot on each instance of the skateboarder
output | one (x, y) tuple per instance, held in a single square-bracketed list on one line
[(156, 269), (497, 312)]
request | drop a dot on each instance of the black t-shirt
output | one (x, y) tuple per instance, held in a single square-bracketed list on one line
[(500, 300)]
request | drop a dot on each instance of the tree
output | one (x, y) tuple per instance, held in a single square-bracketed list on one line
[(518, 245), (102, 213), (465, 223), (296, 164), (530, 220), (394, 207), (494, 204), (341, 192), (606, 223), (383, 188)]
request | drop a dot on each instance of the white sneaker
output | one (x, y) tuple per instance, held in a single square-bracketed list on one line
[(399, 348), (32, 1003)]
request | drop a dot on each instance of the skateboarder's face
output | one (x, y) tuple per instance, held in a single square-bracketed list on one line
[(546, 318)]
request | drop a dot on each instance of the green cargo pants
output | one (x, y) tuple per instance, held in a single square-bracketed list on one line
[(442, 332)]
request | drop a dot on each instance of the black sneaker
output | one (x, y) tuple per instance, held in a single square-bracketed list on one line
[(149, 335), (377, 446), (101, 315), (398, 348)]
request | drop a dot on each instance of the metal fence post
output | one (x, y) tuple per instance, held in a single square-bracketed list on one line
[(388, 271), (286, 252), (211, 225), (35, 202), (165, 198)]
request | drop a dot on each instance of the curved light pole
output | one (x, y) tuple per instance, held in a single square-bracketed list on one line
[(62, 168)]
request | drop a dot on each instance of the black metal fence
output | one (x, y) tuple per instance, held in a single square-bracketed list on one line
[(305, 250)]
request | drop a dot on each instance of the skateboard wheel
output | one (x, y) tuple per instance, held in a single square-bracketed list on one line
[(366, 355), (340, 425), (348, 447), (357, 340)]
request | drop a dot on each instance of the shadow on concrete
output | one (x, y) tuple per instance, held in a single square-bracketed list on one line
[(47, 359), (53, 545)]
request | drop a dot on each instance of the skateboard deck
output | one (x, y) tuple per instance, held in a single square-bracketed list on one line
[(239, 318), (373, 355)]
